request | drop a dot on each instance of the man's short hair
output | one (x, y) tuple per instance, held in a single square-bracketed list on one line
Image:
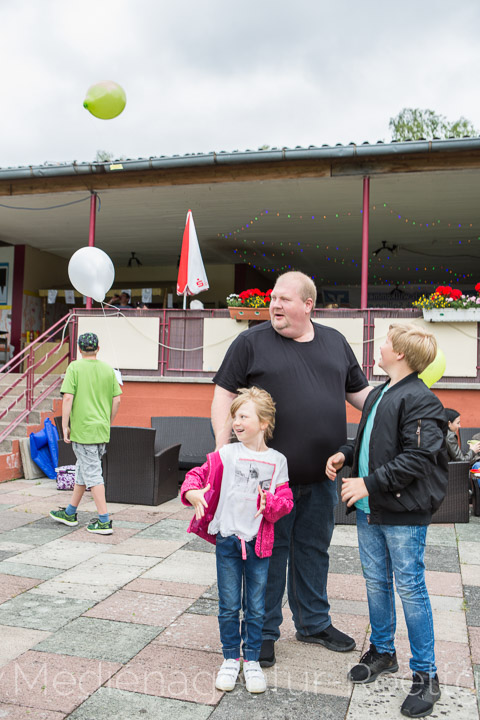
[(306, 286), (417, 344), (264, 406), (88, 342)]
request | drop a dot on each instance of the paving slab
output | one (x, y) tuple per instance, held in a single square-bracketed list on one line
[(129, 524), (345, 535), (184, 566), (469, 532), (346, 587), (4, 554), (168, 530), (16, 641), (163, 587), (211, 592), (15, 547), (279, 704), (32, 535), (21, 712), (136, 514), (441, 535), (472, 600), (470, 574), (449, 626), (58, 586), (195, 632), (349, 607), (198, 544), (100, 639), (12, 585), (148, 547), (107, 573), (442, 558), (9, 486), (140, 608), (469, 552), (118, 536), (106, 703), (444, 583), (30, 571), (344, 560), (3, 507), (383, 699), (186, 513), (41, 612), (52, 682), (184, 674), (452, 660), (61, 553), (474, 636), (203, 606), (10, 519)]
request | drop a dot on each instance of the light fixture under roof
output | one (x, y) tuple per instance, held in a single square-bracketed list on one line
[(384, 246), (133, 260)]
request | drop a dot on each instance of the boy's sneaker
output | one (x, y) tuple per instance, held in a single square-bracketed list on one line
[(61, 516), (254, 678), (372, 664), (423, 695), (100, 528), (227, 675)]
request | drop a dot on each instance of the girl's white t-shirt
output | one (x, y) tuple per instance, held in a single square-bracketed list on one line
[(243, 471)]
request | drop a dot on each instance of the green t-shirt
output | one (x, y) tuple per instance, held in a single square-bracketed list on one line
[(94, 385)]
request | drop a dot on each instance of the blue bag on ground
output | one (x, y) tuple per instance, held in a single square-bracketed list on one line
[(44, 449)]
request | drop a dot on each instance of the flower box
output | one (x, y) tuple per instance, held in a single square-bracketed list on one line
[(246, 313), (451, 315)]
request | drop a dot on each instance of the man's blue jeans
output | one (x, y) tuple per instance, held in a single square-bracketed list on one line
[(387, 550), (231, 571), (302, 539)]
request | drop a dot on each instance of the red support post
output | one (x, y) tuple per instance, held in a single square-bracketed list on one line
[(365, 223), (91, 233)]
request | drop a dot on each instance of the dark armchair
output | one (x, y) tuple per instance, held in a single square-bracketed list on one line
[(194, 434), (454, 508), (134, 472)]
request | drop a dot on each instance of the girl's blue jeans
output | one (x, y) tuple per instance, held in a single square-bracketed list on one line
[(397, 550), (241, 585)]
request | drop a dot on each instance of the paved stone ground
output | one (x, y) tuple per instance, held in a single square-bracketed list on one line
[(124, 626)]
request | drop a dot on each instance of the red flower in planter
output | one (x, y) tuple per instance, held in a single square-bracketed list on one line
[(477, 287), (443, 290), (456, 294)]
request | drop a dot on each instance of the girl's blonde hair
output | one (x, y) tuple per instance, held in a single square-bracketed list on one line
[(264, 406)]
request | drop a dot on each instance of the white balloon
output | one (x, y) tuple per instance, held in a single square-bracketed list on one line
[(91, 272)]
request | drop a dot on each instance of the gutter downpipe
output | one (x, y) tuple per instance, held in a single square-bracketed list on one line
[(91, 233), (365, 224)]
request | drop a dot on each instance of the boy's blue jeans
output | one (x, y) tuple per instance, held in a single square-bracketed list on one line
[(231, 571), (387, 550)]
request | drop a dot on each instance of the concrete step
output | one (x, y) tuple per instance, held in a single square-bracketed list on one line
[(45, 404), (33, 418), (20, 430), (6, 445)]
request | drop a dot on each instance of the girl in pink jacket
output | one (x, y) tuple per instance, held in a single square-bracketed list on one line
[(238, 494)]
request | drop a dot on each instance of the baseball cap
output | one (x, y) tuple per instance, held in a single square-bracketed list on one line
[(88, 342)]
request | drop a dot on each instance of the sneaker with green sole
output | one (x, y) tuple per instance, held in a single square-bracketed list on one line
[(61, 516), (95, 526)]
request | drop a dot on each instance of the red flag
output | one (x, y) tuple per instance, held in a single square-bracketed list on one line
[(192, 278)]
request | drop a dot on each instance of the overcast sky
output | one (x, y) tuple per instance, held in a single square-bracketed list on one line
[(204, 75)]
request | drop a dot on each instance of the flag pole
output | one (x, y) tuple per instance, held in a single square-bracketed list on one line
[(184, 300)]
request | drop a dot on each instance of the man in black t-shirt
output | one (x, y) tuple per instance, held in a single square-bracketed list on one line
[(309, 370)]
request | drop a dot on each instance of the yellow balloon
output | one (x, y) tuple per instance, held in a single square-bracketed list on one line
[(435, 370), (105, 100)]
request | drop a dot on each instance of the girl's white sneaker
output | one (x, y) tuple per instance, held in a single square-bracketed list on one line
[(227, 675), (254, 678)]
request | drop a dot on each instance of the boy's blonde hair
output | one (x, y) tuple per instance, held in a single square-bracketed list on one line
[(418, 345), (264, 406)]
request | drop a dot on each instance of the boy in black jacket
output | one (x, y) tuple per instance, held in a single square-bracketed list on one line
[(399, 478)]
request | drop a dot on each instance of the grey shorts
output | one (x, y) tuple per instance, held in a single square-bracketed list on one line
[(88, 470)]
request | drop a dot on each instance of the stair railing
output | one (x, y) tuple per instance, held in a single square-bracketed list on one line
[(25, 365)]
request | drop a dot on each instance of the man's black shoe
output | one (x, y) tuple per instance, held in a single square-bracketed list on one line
[(267, 653), (423, 695), (330, 638), (372, 664)]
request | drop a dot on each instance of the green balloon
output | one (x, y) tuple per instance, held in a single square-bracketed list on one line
[(435, 370), (105, 100)]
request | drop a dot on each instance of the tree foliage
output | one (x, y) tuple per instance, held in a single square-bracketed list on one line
[(417, 124)]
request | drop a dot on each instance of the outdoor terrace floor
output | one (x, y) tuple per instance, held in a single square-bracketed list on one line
[(125, 625)]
